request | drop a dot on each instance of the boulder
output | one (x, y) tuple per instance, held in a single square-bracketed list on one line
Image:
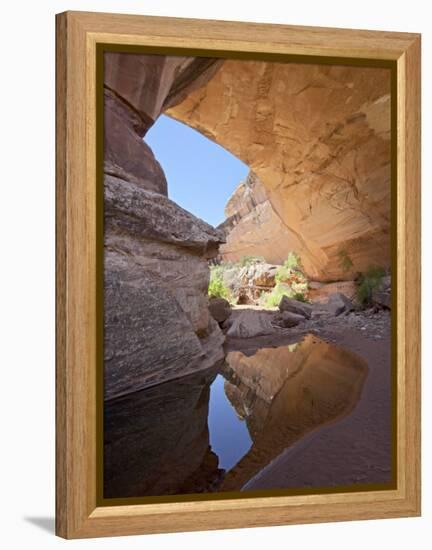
[(338, 303), (220, 309), (289, 319), (382, 299), (230, 277), (295, 306), (382, 296), (260, 274), (250, 323), (247, 283)]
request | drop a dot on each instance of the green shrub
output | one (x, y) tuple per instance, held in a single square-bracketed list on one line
[(293, 261), (368, 283), (345, 261), (273, 298), (289, 269), (300, 297), (290, 282), (290, 275), (282, 274), (250, 260), (217, 287)]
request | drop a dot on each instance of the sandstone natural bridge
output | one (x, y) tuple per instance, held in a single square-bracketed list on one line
[(317, 140)]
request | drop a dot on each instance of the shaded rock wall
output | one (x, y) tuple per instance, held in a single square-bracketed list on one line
[(318, 137), (149, 84), (157, 324), (126, 155)]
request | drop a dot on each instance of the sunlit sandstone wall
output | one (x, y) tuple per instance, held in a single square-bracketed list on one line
[(318, 138)]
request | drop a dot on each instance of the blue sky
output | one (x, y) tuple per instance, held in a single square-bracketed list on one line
[(201, 175)]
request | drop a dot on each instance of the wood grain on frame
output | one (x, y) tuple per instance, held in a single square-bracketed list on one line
[(77, 513)]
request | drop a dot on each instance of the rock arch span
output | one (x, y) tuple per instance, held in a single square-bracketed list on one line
[(318, 139)]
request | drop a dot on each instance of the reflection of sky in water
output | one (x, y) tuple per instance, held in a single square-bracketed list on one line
[(157, 439), (229, 436)]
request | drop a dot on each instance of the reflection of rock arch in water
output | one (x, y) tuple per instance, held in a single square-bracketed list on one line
[(157, 440), (283, 395)]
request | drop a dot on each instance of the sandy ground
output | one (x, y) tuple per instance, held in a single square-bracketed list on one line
[(358, 448)]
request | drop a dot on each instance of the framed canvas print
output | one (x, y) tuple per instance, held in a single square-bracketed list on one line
[(238, 274)]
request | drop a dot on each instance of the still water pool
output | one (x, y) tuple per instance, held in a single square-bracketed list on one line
[(229, 435), (216, 430)]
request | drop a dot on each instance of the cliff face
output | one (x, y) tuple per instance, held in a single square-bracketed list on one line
[(157, 324), (318, 138), (126, 155), (252, 227)]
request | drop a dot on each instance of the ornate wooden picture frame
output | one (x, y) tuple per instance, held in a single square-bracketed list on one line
[(81, 39)]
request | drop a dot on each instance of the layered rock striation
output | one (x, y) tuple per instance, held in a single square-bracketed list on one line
[(252, 227), (150, 84), (318, 138), (157, 325)]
